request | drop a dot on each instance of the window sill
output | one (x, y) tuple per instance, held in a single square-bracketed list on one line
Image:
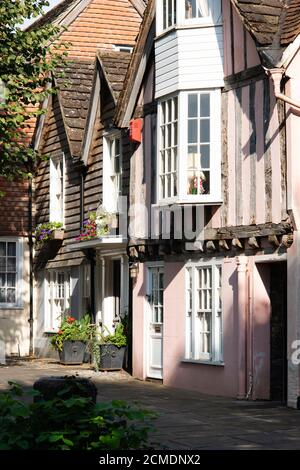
[(11, 307), (205, 363), (191, 202), (189, 24)]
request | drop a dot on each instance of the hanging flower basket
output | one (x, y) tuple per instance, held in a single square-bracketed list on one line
[(48, 231), (57, 234)]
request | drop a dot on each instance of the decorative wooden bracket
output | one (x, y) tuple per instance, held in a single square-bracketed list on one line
[(253, 243), (223, 245), (273, 239), (237, 243)]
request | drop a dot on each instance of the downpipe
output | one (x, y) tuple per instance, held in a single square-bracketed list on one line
[(276, 76)]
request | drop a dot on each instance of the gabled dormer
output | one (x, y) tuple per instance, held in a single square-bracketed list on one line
[(188, 78)]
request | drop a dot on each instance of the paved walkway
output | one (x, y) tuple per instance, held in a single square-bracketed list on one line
[(187, 420)]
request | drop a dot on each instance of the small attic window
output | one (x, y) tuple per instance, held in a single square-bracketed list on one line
[(123, 48)]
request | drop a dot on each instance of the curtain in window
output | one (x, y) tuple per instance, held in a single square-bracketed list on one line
[(203, 7)]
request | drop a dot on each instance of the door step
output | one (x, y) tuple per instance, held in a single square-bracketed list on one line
[(155, 381)]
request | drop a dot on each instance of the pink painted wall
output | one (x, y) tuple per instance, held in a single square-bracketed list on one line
[(246, 327), (217, 380), (293, 204), (293, 136), (244, 51), (138, 324), (261, 314)]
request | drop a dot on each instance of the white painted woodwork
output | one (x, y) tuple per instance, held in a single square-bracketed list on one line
[(189, 58)]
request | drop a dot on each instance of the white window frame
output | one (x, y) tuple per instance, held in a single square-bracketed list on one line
[(213, 17), (110, 195), (193, 350), (19, 273), (160, 268), (214, 197), (52, 324), (57, 187), (123, 48)]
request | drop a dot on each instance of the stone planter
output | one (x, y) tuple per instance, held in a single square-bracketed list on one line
[(111, 357), (72, 352)]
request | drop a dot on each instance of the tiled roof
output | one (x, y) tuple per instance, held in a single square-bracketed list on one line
[(55, 14), (114, 66), (136, 59), (274, 24), (74, 97)]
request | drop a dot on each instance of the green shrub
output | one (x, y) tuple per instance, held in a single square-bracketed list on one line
[(70, 424), (118, 338)]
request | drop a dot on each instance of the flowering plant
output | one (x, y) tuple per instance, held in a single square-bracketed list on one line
[(73, 330), (95, 226), (43, 232)]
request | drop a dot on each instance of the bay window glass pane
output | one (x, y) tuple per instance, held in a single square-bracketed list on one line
[(175, 107), (204, 130), (193, 105), (192, 131), (169, 111), (2, 264), (170, 12), (198, 144), (163, 112), (175, 185), (205, 182), (204, 105), (168, 148), (205, 156), (163, 137), (175, 137), (169, 133), (2, 279)]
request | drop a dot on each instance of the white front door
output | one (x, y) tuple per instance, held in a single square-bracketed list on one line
[(155, 323)]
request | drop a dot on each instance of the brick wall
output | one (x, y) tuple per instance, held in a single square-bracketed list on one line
[(14, 208)]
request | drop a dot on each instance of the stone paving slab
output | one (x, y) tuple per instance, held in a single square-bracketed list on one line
[(187, 420)]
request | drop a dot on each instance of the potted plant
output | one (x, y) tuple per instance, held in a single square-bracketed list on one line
[(72, 338), (48, 231), (98, 224), (112, 349)]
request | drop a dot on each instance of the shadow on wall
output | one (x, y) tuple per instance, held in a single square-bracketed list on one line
[(14, 332), (262, 369)]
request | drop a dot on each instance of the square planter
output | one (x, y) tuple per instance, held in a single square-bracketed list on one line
[(57, 235), (72, 352), (111, 357)]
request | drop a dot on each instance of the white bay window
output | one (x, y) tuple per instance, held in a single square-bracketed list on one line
[(204, 337), (189, 142)]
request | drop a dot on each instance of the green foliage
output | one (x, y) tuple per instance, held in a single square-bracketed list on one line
[(73, 330), (118, 338), (43, 232), (70, 423), (27, 57)]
